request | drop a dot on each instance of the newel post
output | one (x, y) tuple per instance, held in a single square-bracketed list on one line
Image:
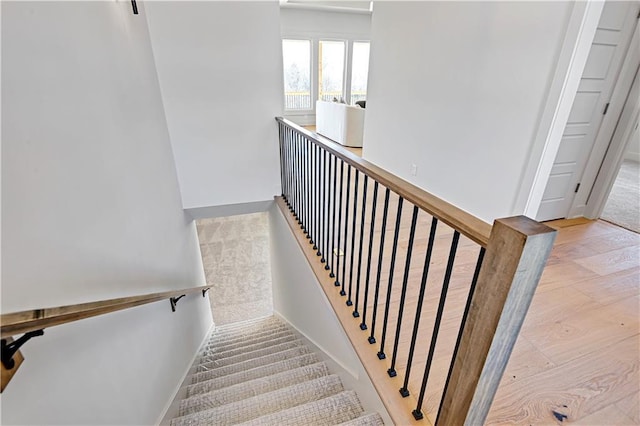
[(516, 254)]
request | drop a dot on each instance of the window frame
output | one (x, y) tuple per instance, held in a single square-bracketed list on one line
[(305, 115), (311, 78)]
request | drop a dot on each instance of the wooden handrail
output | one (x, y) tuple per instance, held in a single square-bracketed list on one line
[(467, 224), (38, 319)]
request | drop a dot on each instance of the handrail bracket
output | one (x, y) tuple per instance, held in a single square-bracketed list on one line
[(9, 349), (174, 301)]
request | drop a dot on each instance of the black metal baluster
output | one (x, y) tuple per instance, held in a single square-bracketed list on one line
[(323, 204), (405, 280), (346, 231), (299, 183), (394, 250), (333, 159), (284, 161), (285, 165), (280, 145), (337, 273), (290, 156), (305, 179), (363, 324), (295, 166), (312, 215), (297, 205), (467, 306), (327, 184), (404, 391), (353, 236), (417, 413), (356, 314), (372, 338), (318, 199)]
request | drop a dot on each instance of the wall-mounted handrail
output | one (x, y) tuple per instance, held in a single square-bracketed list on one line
[(467, 224), (37, 319)]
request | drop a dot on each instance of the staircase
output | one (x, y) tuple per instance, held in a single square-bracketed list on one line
[(259, 373)]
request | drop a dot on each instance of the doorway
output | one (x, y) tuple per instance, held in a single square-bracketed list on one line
[(597, 106)]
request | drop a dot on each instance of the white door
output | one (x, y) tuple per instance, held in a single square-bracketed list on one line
[(609, 47)]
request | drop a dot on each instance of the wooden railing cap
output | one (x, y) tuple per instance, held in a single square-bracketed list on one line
[(467, 224)]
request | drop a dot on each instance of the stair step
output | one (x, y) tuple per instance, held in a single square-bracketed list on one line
[(255, 328), (271, 402), (215, 341), (249, 323), (335, 409), (211, 363), (220, 347), (252, 388), (213, 355), (251, 374), (367, 419), (249, 364)]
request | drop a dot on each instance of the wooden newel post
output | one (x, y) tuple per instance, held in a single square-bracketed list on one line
[(515, 257)]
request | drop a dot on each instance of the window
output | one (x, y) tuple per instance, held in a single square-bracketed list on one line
[(359, 71), (316, 69), (296, 55), (331, 70)]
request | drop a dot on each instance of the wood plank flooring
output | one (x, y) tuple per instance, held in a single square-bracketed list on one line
[(578, 351)]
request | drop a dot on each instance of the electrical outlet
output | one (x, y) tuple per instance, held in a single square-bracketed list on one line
[(414, 170)]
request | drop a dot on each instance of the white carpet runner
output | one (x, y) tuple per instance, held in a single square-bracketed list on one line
[(260, 373)]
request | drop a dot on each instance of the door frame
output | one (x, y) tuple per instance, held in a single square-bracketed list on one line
[(588, 203), (617, 148), (581, 30)]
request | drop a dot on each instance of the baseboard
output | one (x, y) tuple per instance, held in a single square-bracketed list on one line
[(327, 354), (632, 156), (171, 409), (229, 209)]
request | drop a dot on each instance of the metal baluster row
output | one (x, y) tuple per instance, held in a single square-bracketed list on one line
[(326, 207)]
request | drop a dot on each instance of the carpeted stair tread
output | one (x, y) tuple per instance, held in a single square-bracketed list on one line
[(212, 363), (215, 348), (329, 411), (251, 373), (366, 419), (213, 343), (223, 339), (271, 402), (211, 356), (221, 333), (248, 323), (252, 388), (249, 364)]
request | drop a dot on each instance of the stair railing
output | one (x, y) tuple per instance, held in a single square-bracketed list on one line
[(33, 322), (351, 212)]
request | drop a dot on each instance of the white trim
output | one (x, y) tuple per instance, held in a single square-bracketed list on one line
[(171, 409), (322, 8), (324, 350), (616, 152), (572, 59), (632, 156), (228, 209), (603, 139)]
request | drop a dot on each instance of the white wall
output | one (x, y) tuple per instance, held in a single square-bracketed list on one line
[(219, 65), (91, 210), (301, 22), (458, 90)]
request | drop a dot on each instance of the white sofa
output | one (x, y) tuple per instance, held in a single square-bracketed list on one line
[(340, 122)]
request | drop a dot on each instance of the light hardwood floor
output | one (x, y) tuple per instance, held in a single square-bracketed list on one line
[(578, 351)]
